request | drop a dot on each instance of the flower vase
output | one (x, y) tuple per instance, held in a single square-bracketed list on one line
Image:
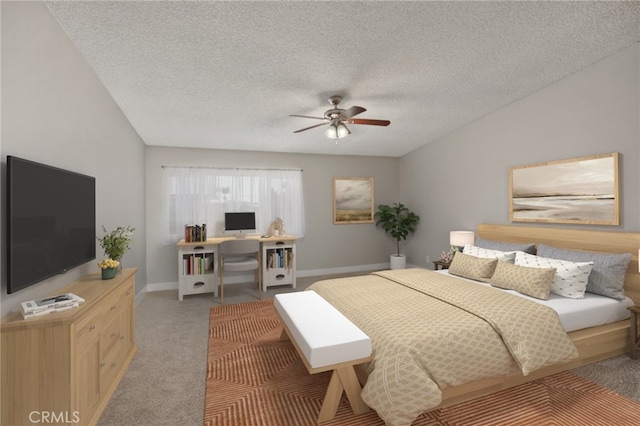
[(108, 273)]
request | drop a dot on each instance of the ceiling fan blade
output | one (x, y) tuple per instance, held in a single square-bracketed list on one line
[(353, 111), (307, 116), (311, 127), (368, 121)]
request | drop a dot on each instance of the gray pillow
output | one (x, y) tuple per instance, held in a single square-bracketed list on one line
[(606, 277), (498, 245)]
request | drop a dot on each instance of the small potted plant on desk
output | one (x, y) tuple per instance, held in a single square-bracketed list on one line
[(115, 244), (398, 221)]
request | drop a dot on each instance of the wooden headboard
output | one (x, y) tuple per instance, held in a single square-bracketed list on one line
[(575, 239)]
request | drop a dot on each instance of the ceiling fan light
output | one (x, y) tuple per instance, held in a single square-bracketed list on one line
[(332, 132), (342, 131), (337, 130)]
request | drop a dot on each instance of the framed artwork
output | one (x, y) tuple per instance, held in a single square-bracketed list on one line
[(580, 190), (352, 200)]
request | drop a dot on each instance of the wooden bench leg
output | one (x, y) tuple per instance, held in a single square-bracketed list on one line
[(342, 379), (352, 388)]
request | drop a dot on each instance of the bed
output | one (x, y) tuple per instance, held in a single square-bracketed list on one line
[(399, 386)]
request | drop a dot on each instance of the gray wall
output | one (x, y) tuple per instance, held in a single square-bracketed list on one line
[(56, 111), (463, 178), (325, 248)]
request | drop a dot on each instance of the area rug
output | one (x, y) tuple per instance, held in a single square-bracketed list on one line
[(253, 378)]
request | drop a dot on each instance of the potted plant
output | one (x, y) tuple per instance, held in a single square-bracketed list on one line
[(116, 243), (398, 221), (108, 268)]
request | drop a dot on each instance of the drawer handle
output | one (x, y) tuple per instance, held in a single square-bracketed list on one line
[(102, 364), (280, 243), (113, 334), (113, 308), (92, 327), (279, 277), (198, 284), (121, 337), (113, 364), (198, 248)]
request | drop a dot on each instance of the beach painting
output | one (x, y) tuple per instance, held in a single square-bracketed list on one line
[(352, 200), (580, 191)]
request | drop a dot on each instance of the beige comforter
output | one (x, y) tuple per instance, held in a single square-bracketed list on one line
[(430, 331)]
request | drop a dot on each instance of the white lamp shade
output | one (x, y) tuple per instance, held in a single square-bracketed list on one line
[(460, 238)]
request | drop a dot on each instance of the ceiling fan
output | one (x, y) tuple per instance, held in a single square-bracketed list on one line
[(338, 118)]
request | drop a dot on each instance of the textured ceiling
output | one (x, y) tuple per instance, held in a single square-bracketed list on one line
[(227, 75)]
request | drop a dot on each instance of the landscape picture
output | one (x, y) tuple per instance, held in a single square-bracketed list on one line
[(580, 190), (352, 200)]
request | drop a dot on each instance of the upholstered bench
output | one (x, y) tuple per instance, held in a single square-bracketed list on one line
[(326, 340)]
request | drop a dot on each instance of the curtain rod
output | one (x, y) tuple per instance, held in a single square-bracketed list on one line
[(231, 168)]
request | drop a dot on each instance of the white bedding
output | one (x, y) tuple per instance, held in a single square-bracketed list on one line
[(575, 314)]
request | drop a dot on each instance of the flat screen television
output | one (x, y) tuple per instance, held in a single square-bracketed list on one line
[(51, 221), (239, 223)]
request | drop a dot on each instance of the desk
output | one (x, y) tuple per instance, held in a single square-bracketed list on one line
[(198, 270)]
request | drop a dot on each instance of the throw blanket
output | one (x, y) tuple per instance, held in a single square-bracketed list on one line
[(430, 331)]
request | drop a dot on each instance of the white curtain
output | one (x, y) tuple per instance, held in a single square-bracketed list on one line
[(193, 196)]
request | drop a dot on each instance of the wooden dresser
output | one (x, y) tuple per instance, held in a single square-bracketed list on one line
[(62, 368)]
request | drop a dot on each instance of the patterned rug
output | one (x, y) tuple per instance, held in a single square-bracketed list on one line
[(253, 378)]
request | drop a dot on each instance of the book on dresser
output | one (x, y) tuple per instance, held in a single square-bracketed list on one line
[(58, 303)]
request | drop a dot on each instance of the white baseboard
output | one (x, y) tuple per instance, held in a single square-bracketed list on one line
[(173, 285)]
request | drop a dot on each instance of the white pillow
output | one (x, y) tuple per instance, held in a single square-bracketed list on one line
[(570, 279), (504, 256)]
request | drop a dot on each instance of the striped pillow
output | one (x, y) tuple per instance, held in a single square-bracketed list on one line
[(502, 246)]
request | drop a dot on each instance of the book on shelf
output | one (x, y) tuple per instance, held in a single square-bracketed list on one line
[(49, 304), (279, 258), (197, 264), (195, 233)]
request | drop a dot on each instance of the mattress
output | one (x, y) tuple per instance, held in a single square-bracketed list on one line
[(576, 314)]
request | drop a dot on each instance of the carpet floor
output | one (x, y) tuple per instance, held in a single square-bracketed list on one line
[(253, 378)]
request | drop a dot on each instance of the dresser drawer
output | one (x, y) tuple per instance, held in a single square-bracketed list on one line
[(111, 335), (88, 327), (116, 303), (109, 367)]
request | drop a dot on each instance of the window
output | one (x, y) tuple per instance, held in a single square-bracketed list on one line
[(193, 195)]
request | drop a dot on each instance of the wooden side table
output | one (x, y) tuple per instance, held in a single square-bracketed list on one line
[(440, 264), (635, 339)]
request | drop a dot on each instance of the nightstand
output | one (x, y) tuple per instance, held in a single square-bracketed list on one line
[(440, 264), (635, 339)]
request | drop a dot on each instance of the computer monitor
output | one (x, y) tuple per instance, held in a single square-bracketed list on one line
[(239, 223)]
